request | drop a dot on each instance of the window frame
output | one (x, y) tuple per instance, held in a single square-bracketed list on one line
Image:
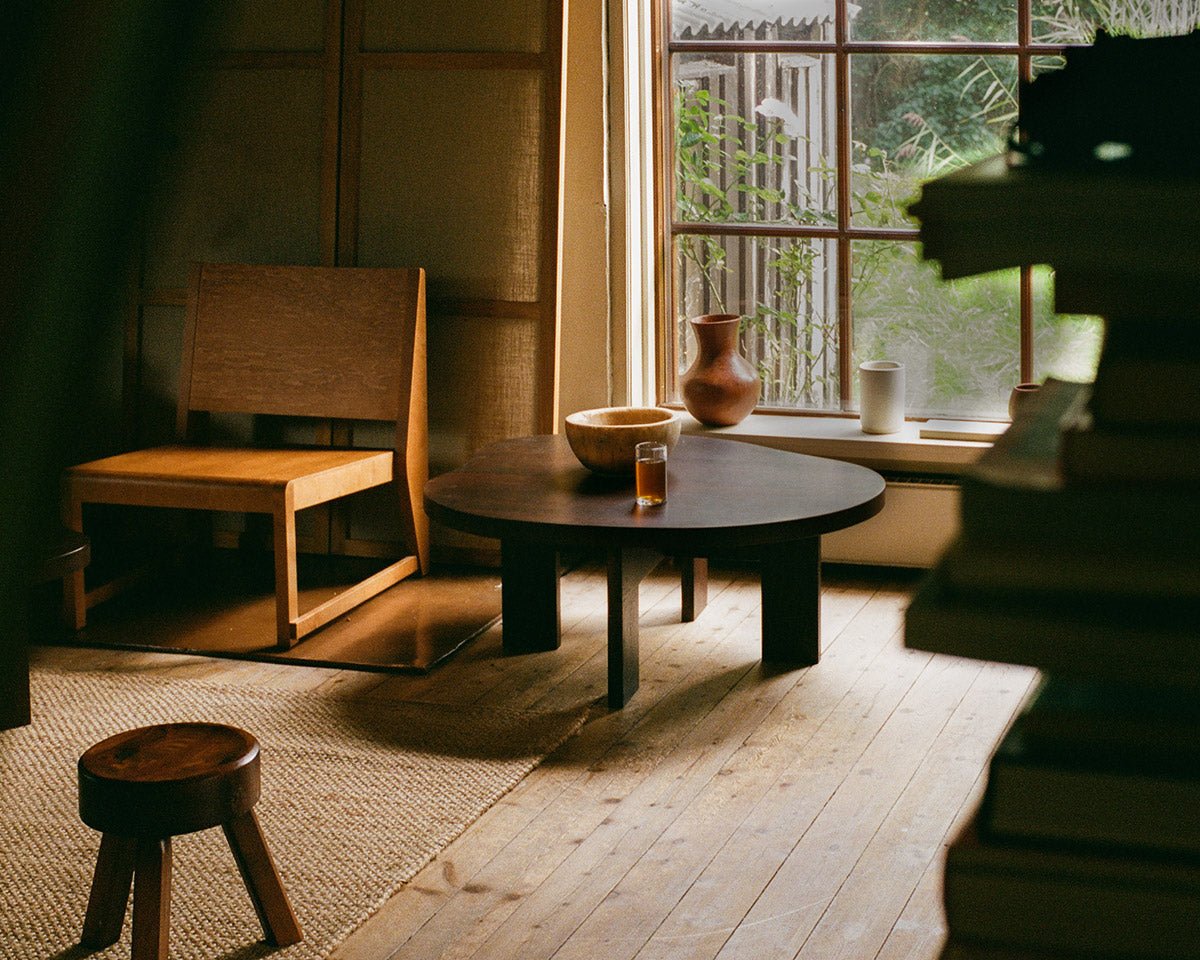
[(845, 233)]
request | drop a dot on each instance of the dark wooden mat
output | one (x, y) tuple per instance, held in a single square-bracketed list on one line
[(224, 606)]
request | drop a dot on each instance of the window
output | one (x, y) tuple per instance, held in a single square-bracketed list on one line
[(795, 133)]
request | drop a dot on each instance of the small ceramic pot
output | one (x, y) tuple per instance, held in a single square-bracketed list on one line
[(1020, 396)]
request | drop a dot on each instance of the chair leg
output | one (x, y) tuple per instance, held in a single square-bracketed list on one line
[(249, 848), (74, 599), (152, 900), (287, 604), (110, 892)]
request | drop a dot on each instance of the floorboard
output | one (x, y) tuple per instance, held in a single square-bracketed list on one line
[(729, 811)]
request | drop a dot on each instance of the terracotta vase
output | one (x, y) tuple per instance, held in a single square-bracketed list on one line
[(720, 388)]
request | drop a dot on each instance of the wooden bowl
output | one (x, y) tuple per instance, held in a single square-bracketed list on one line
[(603, 439)]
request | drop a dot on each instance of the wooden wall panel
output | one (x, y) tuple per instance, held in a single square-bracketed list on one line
[(246, 177), (480, 385), (276, 25), (506, 25), (462, 199), (157, 385)]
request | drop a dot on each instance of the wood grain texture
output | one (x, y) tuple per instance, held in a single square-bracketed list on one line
[(144, 786), (261, 877), (768, 505), (241, 466), (167, 752), (168, 779), (301, 341), (152, 900), (109, 896), (317, 342), (722, 495), (826, 793)]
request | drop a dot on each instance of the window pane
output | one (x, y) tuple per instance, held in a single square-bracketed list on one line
[(1065, 346), (1076, 21), (943, 20), (723, 20), (959, 341), (754, 138), (919, 117), (787, 291)]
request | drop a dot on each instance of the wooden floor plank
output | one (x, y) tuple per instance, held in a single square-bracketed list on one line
[(651, 890), (910, 840), (639, 756), (406, 913), (602, 854), (564, 899), (729, 811), (828, 848), (813, 742), (920, 930)]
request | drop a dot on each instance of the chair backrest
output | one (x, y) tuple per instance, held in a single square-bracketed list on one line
[(327, 342)]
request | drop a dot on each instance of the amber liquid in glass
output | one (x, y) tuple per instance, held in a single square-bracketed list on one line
[(651, 480)]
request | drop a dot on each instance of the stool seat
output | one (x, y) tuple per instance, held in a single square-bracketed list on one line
[(168, 779), (142, 787)]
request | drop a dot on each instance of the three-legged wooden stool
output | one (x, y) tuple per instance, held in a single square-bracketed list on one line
[(143, 787)]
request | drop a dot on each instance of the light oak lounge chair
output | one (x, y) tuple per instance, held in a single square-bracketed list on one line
[(329, 342)]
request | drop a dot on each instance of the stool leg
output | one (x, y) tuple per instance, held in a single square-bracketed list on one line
[(110, 892), (249, 848), (152, 900)]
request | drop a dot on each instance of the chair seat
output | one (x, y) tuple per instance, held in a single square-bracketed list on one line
[(278, 482), (168, 779), (167, 476), (233, 464)]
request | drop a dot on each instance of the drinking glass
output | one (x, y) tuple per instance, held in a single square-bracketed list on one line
[(650, 473)]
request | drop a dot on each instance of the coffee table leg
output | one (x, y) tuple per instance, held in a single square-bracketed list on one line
[(529, 597), (693, 587), (626, 569), (791, 602)]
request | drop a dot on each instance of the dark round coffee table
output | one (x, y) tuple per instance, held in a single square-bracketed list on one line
[(724, 498)]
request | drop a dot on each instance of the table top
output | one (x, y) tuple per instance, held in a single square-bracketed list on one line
[(720, 493)]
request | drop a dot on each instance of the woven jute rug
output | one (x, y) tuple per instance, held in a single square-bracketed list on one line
[(357, 797)]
